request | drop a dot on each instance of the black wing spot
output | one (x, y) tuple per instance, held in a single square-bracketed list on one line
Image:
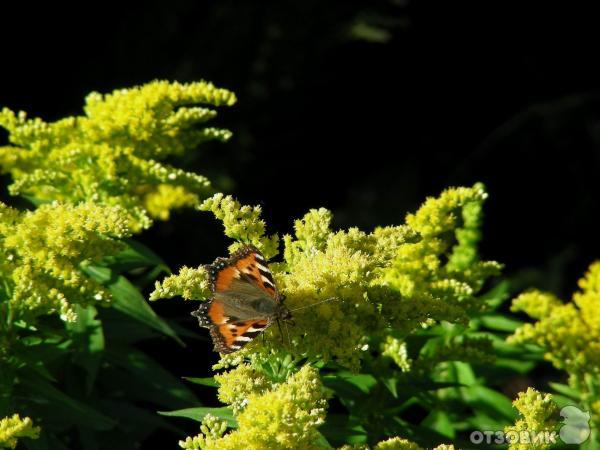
[(202, 314), (267, 274)]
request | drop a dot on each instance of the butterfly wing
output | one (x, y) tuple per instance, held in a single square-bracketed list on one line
[(245, 272), (253, 267), (244, 302), (230, 337)]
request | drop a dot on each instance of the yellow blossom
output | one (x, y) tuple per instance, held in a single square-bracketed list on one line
[(13, 428), (113, 154), (569, 333), (285, 417), (538, 413), (45, 250)]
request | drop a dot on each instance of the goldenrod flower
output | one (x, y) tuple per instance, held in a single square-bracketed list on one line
[(14, 428), (112, 155), (45, 250), (538, 414), (395, 277), (569, 333), (284, 417)]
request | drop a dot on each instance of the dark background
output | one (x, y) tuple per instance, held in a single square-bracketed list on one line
[(362, 107)]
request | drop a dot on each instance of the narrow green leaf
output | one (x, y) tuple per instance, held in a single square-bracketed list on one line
[(562, 400), (593, 442), (392, 385), (43, 393), (439, 421), (340, 429), (496, 295), (135, 256), (515, 365), (129, 300), (210, 381), (482, 421), (500, 322), (101, 274), (345, 381), (461, 373), (322, 441), (141, 421), (198, 414), (565, 390), (34, 200), (158, 383), (88, 341), (491, 402)]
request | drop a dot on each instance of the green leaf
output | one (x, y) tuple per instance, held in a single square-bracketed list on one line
[(322, 441), (482, 421), (151, 379), (56, 402), (210, 381), (439, 421), (496, 295), (347, 384), (565, 390), (198, 414), (34, 200), (135, 256), (45, 441), (500, 322), (562, 400), (392, 385), (102, 275), (141, 421), (593, 442), (129, 300), (119, 328), (515, 365), (340, 429), (461, 373), (425, 437), (425, 384), (88, 342), (491, 402)]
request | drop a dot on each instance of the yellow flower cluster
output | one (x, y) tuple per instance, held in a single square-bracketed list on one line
[(242, 223), (43, 251), (211, 431), (568, 332), (396, 350), (396, 443), (13, 428), (366, 282), (342, 288), (538, 414), (449, 229), (112, 155), (188, 283), (284, 417), (238, 384)]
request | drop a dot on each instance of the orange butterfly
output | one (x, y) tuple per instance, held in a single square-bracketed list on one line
[(246, 300)]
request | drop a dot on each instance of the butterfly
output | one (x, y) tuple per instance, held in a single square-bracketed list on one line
[(246, 300)]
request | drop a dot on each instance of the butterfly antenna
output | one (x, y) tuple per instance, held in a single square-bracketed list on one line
[(315, 304)]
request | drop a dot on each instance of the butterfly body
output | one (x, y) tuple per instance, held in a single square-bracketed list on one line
[(246, 300)]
